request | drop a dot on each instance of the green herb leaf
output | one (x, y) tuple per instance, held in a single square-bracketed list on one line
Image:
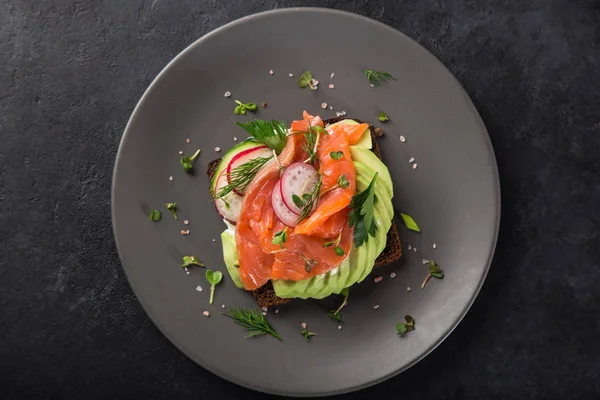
[(328, 244), (270, 133), (242, 107), (173, 208), (361, 214), (434, 271), (253, 321), (188, 162), (336, 155), (383, 117), (298, 201), (155, 215), (343, 182), (213, 277), (191, 260), (410, 222), (335, 314), (307, 334), (250, 106), (403, 327), (305, 79), (339, 251), (241, 176), (377, 77), (280, 238)]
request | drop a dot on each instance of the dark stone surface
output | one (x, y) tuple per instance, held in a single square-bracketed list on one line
[(71, 73)]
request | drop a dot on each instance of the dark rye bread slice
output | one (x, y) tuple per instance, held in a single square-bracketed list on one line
[(265, 295)]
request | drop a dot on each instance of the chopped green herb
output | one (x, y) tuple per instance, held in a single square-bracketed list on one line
[(383, 117), (241, 108), (241, 176), (361, 214), (297, 200), (155, 215), (307, 334), (306, 80), (376, 77), (336, 155), (343, 182), (191, 260), (434, 271), (280, 238), (213, 277), (410, 222), (339, 251), (335, 314), (253, 321), (407, 326), (270, 133), (188, 162), (173, 208)]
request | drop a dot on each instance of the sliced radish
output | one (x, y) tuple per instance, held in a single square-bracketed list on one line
[(229, 206), (298, 179), (245, 156), (281, 210)]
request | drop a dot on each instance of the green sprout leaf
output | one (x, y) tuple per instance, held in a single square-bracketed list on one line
[(280, 238), (383, 117), (188, 162), (403, 327), (213, 277), (410, 222), (155, 215), (434, 271), (242, 107), (336, 155), (307, 334), (173, 208), (298, 201), (336, 314), (339, 251), (191, 260), (305, 79), (343, 182)]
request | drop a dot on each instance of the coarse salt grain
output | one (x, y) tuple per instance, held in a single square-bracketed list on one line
[(409, 247), (187, 141), (338, 114), (214, 240), (222, 305), (434, 246), (378, 279), (180, 152), (276, 311), (291, 75), (408, 289), (185, 222), (331, 107), (303, 325), (184, 232), (372, 85), (392, 275), (217, 149), (170, 178), (415, 166), (376, 306), (415, 249), (264, 313), (206, 313), (339, 327), (424, 261), (227, 93), (264, 309), (323, 105), (331, 86), (271, 72), (314, 82), (198, 288), (332, 75), (235, 139), (412, 160), (402, 138)]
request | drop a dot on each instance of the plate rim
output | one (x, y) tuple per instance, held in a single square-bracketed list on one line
[(250, 385)]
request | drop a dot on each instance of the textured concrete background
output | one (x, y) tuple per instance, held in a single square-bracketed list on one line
[(70, 75)]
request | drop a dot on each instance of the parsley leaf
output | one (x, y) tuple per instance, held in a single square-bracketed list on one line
[(270, 133), (361, 214)]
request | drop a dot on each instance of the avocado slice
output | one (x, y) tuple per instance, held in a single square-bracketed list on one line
[(230, 256), (367, 172), (369, 158)]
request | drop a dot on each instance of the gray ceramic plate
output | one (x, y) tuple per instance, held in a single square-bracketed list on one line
[(454, 195)]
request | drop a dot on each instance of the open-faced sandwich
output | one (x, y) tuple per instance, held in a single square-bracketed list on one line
[(308, 209)]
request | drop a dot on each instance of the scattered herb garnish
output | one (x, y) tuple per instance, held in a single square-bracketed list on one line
[(310, 199), (376, 77), (241, 108), (270, 133), (254, 321), (191, 260), (241, 176), (306, 80), (343, 182), (338, 250), (435, 271), (407, 326), (361, 214), (173, 208), (336, 314), (336, 155), (213, 277), (188, 162), (410, 222), (280, 237), (312, 142), (155, 215), (383, 117), (308, 263), (307, 334)]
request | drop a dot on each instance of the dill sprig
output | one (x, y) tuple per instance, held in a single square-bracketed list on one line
[(312, 143), (241, 176), (253, 320), (376, 77), (310, 200)]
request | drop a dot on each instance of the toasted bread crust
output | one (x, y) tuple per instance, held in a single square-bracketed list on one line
[(265, 295)]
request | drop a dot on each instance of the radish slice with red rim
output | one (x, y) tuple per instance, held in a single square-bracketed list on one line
[(298, 179), (281, 210), (245, 156)]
